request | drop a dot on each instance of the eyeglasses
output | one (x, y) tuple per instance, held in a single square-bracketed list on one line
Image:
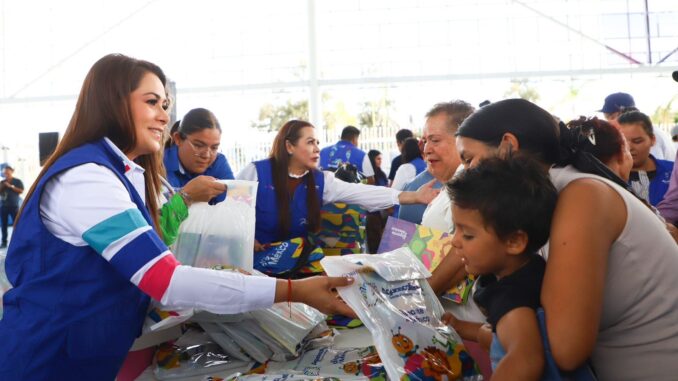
[(202, 150)]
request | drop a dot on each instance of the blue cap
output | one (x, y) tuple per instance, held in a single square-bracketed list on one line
[(617, 102)]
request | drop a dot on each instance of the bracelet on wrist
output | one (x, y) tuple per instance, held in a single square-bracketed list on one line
[(184, 196)]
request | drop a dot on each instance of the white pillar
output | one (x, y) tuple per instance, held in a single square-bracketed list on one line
[(314, 105)]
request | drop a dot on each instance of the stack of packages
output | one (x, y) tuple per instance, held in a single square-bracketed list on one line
[(342, 229), (224, 344)]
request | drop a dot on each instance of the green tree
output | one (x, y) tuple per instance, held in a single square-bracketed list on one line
[(521, 88), (272, 117), (377, 112), (665, 115)]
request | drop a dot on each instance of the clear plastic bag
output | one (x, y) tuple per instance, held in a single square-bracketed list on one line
[(287, 376), (248, 342), (345, 363), (221, 234), (288, 327), (394, 301), (194, 354), (224, 341)]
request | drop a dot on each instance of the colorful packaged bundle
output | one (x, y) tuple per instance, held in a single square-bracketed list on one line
[(330, 362), (290, 257), (393, 299), (341, 321), (288, 376), (430, 246), (342, 217)]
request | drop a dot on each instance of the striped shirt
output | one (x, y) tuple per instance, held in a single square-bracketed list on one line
[(87, 205)]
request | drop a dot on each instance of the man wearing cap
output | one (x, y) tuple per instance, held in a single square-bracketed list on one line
[(10, 189), (615, 105)]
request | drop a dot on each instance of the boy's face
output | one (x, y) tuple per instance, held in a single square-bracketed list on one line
[(481, 251)]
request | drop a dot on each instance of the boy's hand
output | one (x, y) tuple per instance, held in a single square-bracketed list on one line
[(449, 319), (484, 338)]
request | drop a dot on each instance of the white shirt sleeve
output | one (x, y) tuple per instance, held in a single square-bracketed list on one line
[(663, 147), (370, 197), (248, 173), (221, 292), (79, 198), (368, 171), (405, 173), (90, 197)]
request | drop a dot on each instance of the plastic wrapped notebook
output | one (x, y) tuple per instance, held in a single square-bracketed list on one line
[(345, 363), (221, 234), (194, 354), (393, 299)]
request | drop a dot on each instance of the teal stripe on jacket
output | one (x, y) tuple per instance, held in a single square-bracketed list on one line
[(101, 235)]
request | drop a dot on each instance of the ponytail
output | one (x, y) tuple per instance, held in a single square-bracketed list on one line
[(577, 139)]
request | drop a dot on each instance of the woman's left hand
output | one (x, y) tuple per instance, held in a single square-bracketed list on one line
[(426, 193)]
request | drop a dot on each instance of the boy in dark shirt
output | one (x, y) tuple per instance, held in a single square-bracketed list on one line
[(502, 212)]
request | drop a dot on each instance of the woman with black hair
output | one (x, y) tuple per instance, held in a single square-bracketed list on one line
[(609, 288), (413, 164), (292, 188), (194, 151), (380, 177), (650, 176)]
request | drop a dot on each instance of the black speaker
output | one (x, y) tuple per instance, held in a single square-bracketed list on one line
[(47, 144)]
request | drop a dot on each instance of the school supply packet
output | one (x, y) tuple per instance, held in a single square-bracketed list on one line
[(429, 245), (221, 234), (392, 298)]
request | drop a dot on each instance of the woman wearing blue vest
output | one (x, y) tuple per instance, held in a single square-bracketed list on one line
[(292, 189), (196, 139), (412, 164), (86, 257)]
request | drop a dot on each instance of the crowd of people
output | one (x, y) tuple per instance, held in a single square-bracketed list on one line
[(568, 222)]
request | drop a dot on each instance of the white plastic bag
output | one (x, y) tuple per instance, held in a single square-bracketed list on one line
[(393, 299), (221, 234)]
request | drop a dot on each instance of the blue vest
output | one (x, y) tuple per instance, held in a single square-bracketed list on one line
[(70, 315), (419, 166), (267, 228), (342, 152), (415, 212), (660, 183)]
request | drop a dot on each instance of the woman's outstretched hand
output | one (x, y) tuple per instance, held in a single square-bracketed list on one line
[(318, 292), (424, 195)]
